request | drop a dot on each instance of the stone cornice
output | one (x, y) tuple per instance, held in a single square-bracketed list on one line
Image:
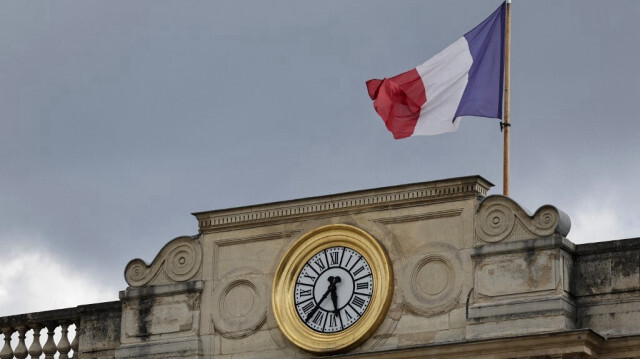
[(158, 290), (621, 245), (542, 243), (582, 343), (343, 203)]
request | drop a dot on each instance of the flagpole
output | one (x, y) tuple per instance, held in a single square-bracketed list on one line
[(507, 82)]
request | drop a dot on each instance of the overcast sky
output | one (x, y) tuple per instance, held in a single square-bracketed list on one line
[(120, 118)]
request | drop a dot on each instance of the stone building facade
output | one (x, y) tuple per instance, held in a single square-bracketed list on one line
[(471, 276)]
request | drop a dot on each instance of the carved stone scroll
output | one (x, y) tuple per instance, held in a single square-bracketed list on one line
[(499, 218), (178, 261)]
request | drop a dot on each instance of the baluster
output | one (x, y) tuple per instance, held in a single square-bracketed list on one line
[(35, 349), (49, 348), (6, 352), (63, 345), (75, 344), (21, 349)]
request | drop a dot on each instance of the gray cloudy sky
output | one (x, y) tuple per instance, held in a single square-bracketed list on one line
[(118, 119)]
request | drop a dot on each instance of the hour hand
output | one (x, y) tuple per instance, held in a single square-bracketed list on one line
[(334, 299)]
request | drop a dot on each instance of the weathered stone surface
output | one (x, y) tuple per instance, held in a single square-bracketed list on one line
[(516, 273), (607, 267), (161, 321), (100, 330), (606, 284), (521, 288), (149, 315)]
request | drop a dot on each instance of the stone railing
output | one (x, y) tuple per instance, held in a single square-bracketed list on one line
[(96, 327), (36, 322)]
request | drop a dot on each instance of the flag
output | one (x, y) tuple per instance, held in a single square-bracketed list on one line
[(465, 79)]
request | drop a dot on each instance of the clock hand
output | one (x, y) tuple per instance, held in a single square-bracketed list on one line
[(334, 297), (331, 289)]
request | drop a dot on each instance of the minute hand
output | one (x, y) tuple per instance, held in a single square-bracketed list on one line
[(315, 309)]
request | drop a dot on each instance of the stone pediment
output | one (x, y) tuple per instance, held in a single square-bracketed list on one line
[(344, 203)]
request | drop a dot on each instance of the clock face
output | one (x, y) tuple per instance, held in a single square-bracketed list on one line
[(333, 289)]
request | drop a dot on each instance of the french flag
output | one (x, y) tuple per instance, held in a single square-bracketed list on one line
[(465, 79)]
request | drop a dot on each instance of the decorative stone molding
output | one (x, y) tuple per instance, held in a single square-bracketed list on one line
[(242, 304), (432, 282), (420, 217), (499, 218), (178, 261), (351, 202)]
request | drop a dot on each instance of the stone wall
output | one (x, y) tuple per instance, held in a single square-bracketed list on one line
[(606, 285)]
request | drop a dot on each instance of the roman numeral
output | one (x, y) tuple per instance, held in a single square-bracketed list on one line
[(357, 301), (320, 264), (358, 271), (363, 285), (354, 264), (334, 258), (313, 279), (304, 293), (348, 260), (332, 320), (307, 308), (318, 318), (346, 313)]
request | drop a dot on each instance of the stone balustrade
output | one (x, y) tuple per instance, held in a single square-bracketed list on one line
[(36, 323), (36, 331)]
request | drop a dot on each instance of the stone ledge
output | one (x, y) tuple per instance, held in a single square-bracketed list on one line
[(99, 308), (344, 203), (621, 347), (166, 289), (550, 242), (621, 245), (165, 349), (595, 300), (60, 314), (521, 309), (568, 343)]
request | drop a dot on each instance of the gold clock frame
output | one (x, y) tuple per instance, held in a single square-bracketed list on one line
[(293, 261)]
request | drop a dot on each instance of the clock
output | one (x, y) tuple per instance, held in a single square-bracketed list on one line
[(332, 289)]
